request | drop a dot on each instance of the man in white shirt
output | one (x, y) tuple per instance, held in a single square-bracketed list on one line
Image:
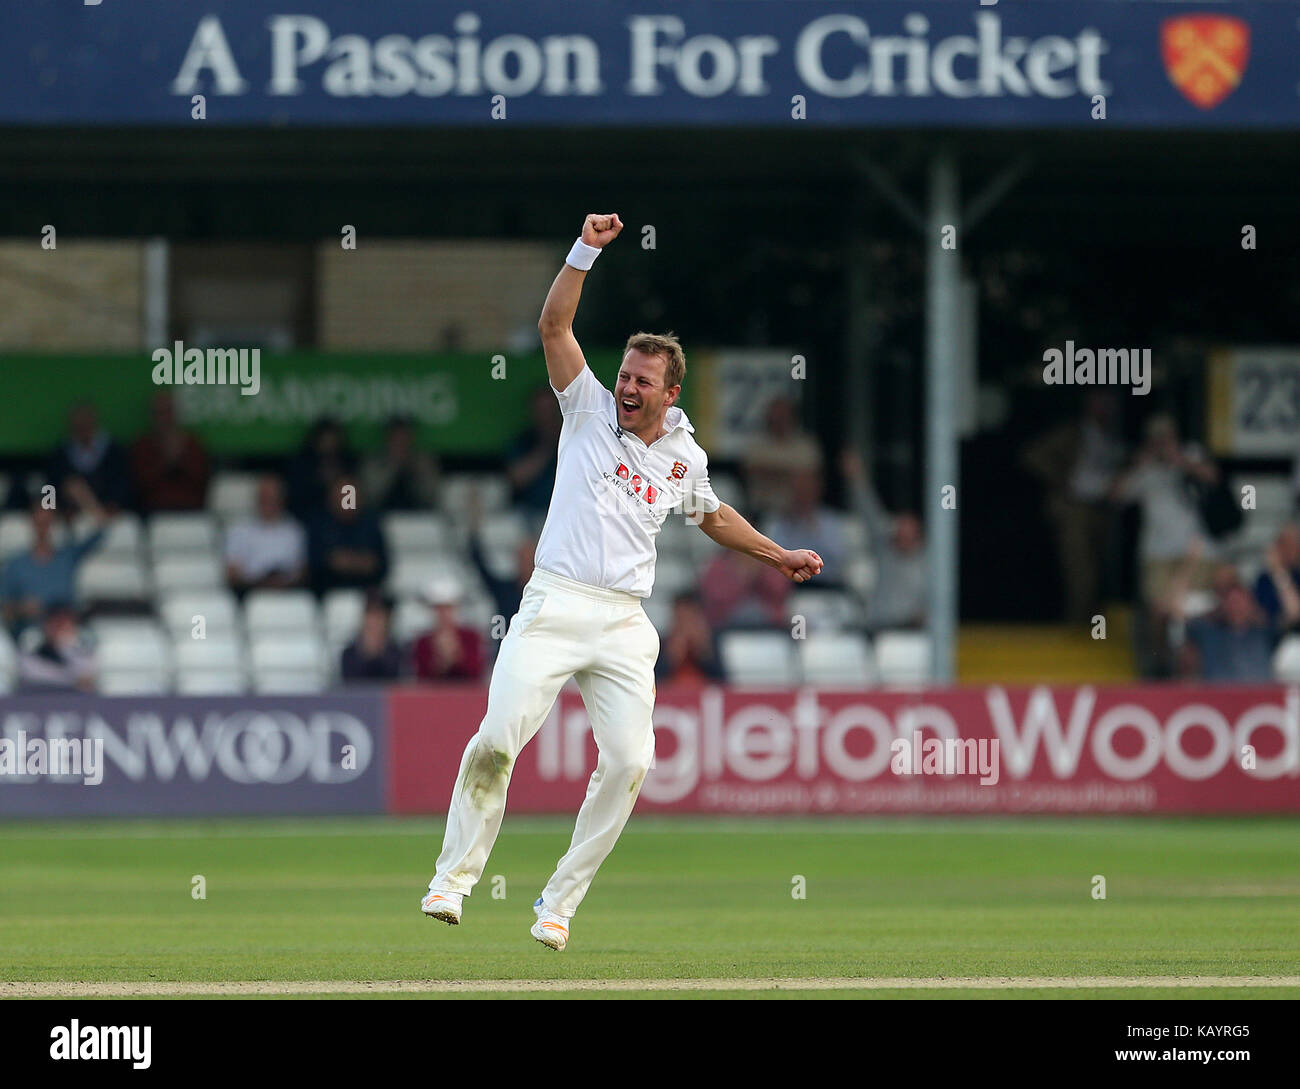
[(269, 551), (625, 461)]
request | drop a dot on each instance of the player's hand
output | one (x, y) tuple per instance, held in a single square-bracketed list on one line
[(600, 231), (800, 565)]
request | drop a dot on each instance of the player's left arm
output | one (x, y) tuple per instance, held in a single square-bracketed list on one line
[(726, 526)]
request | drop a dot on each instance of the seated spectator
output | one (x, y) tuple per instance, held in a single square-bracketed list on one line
[(61, 660), (689, 653), (168, 464), (531, 459), (736, 592), (804, 518), (45, 576), (400, 477), (269, 551), (449, 651), (1277, 590), (773, 458), (900, 597), (1233, 643), (93, 455), (373, 655), (323, 457), (345, 542)]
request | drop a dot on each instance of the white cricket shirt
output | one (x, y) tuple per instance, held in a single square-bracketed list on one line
[(613, 492)]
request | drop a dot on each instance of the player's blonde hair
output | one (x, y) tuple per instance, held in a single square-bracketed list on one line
[(667, 347)]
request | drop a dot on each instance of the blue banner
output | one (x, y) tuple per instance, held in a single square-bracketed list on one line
[(878, 63)]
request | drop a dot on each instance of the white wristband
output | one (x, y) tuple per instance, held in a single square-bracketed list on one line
[(582, 256)]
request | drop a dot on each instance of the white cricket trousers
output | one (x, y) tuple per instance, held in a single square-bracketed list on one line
[(605, 641)]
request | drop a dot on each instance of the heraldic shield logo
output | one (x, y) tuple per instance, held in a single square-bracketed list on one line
[(1205, 56)]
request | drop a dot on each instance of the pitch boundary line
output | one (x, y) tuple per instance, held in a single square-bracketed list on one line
[(150, 988)]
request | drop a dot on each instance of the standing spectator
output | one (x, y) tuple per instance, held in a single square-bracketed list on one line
[(1277, 589), (45, 576), (689, 654), (448, 652), (269, 551), (346, 544), (773, 459), (1078, 462), (401, 476), (92, 454), (803, 516), (373, 655), (168, 464), (324, 457), (736, 593), (62, 661), (531, 459), (1173, 541), (900, 597)]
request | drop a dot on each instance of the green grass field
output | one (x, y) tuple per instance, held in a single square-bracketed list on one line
[(323, 905)]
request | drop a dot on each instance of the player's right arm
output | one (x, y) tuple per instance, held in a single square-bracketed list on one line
[(564, 359)]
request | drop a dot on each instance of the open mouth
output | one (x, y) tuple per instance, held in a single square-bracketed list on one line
[(628, 406)]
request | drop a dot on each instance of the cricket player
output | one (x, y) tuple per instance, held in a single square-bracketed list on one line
[(625, 461)]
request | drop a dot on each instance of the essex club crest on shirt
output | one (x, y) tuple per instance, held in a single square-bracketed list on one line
[(679, 471)]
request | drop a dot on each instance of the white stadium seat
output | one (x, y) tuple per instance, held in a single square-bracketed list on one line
[(343, 610), (281, 611), (233, 495), (416, 533), (837, 659), (284, 664), (412, 576), (8, 662), (170, 534), (454, 494), (758, 658), (1286, 660), (132, 658), (218, 608), (411, 618), (903, 657), (195, 571), (124, 537), (108, 578), (502, 529), (212, 682)]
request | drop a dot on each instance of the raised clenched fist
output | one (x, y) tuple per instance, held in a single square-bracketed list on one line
[(600, 231)]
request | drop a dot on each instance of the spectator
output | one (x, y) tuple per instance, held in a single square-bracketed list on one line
[(530, 461), (775, 457), (1277, 590), (269, 551), (738, 593), (689, 654), (62, 660), (346, 545), (45, 576), (1173, 542), (804, 518), (401, 477), (1171, 522), (1078, 462), (168, 464), (448, 652), (900, 597), (324, 457), (93, 455), (1233, 643), (373, 655)]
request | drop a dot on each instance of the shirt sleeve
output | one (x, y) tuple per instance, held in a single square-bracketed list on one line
[(584, 394), (699, 495)]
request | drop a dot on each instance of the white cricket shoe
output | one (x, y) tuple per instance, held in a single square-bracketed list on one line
[(550, 929), (440, 904)]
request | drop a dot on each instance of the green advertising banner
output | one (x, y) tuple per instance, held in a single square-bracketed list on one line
[(463, 404)]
